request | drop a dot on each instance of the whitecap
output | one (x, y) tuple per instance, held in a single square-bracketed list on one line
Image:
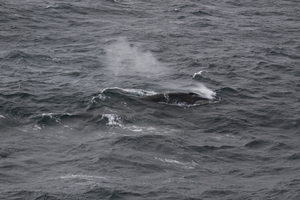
[(186, 165), (84, 177), (113, 120), (197, 73)]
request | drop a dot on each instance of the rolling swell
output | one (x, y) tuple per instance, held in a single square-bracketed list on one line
[(73, 124)]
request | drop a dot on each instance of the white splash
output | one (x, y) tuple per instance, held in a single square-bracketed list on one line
[(204, 91), (113, 120), (197, 73)]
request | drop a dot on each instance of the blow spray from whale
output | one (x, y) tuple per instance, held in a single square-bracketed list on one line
[(125, 59)]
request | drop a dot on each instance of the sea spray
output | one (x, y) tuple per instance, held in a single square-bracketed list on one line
[(124, 58), (204, 91)]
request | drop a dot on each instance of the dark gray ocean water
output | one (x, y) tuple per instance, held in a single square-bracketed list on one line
[(73, 124)]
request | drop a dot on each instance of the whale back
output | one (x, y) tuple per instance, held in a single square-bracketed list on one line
[(177, 98)]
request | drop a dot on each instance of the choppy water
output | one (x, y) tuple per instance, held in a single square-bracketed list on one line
[(73, 125)]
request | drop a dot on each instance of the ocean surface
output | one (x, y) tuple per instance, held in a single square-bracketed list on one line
[(74, 125)]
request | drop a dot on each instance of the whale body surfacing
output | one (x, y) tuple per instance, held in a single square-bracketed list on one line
[(180, 98)]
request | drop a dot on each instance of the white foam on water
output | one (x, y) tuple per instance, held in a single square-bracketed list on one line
[(197, 73), (186, 165), (113, 120), (85, 177)]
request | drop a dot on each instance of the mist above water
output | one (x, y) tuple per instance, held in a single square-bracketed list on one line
[(124, 58), (204, 91)]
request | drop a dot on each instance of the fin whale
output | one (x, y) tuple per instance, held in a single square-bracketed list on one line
[(180, 97)]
